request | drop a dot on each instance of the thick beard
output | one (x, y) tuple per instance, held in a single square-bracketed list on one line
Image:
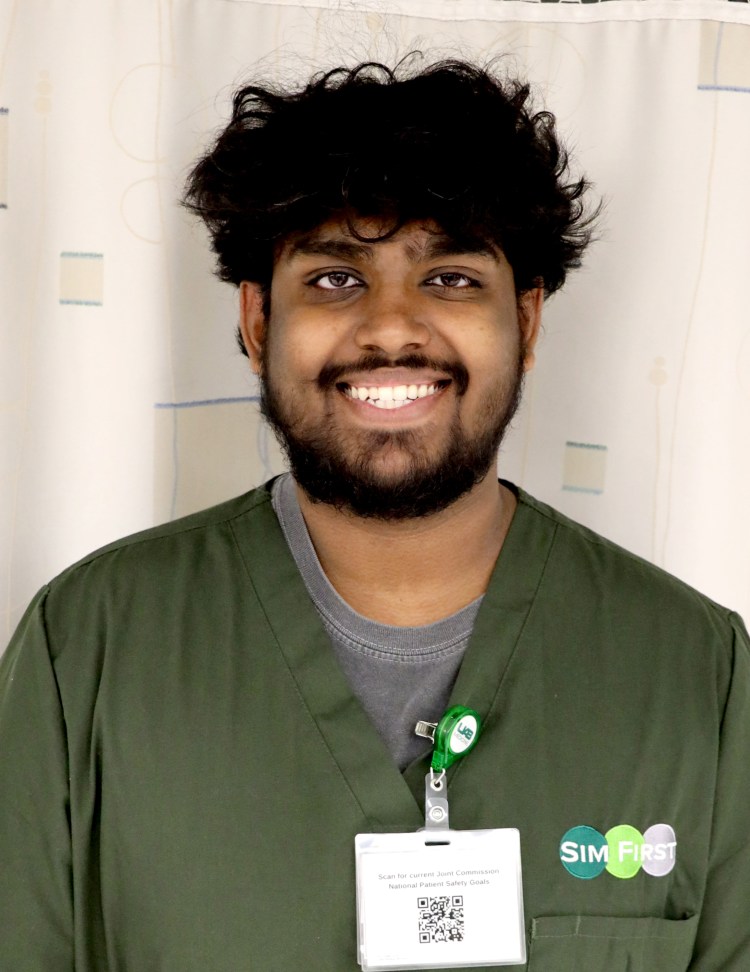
[(348, 480)]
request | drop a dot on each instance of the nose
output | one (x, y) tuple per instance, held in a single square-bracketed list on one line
[(391, 323)]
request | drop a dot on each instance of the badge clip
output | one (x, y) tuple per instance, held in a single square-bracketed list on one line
[(426, 730), (436, 814), (453, 737)]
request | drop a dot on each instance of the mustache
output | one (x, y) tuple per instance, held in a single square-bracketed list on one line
[(330, 374)]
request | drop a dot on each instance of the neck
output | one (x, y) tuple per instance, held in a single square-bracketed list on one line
[(412, 572)]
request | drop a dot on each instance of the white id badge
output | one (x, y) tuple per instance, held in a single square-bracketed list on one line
[(432, 900)]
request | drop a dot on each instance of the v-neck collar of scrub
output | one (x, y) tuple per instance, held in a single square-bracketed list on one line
[(390, 801), (506, 605)]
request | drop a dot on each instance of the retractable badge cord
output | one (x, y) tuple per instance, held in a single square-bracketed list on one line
[(453, 737), (437, 897)]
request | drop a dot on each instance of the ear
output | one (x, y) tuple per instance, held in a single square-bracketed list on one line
[(252, 322), (530, 320)]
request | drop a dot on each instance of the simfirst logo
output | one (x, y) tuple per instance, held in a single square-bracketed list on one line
[(623, 851)]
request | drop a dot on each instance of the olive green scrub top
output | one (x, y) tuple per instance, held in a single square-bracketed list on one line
[(183, 766)]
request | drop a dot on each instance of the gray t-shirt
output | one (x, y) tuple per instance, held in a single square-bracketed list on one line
[(399, 674)]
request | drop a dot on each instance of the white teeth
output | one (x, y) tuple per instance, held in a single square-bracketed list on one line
[(390, 396), (384, 403)]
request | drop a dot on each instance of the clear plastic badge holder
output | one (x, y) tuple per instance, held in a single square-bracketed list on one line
[(440, 898)]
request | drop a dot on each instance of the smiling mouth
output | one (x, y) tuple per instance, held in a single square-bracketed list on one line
[(392, 396)]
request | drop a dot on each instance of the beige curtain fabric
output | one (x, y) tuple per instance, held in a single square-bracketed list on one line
[(124, 400)]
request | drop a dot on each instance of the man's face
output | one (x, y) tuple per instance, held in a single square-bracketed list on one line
[(390, 370)]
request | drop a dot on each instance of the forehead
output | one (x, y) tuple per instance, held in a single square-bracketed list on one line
[(419, 241)]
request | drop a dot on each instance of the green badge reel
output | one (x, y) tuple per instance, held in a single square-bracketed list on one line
[(453, 737)]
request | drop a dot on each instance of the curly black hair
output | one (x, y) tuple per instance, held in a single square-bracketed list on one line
[(452, 143)]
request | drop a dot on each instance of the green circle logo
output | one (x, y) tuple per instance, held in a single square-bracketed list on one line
[(583, 852), (623, 851), (624, 857)]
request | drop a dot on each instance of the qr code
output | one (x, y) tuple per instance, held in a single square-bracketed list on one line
[(441, 919)]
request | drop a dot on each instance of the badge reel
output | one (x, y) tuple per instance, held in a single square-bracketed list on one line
[(440, 898)]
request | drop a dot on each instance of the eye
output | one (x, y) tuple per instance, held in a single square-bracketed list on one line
[(336, 280), (455, 281)]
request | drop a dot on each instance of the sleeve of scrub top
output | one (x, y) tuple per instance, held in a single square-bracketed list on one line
[(36, 910), (723, 938)]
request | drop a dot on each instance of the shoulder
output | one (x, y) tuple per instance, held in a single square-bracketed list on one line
[(588, 572), (183, 530), (185, 555)]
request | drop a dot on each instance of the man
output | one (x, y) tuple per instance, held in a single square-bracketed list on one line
[(196, 722)]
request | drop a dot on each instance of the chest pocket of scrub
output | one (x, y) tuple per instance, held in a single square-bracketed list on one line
[(578, 943)]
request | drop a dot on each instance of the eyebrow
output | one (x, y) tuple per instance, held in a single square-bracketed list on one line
[(318, 246), (439, 245), (442, 245)]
